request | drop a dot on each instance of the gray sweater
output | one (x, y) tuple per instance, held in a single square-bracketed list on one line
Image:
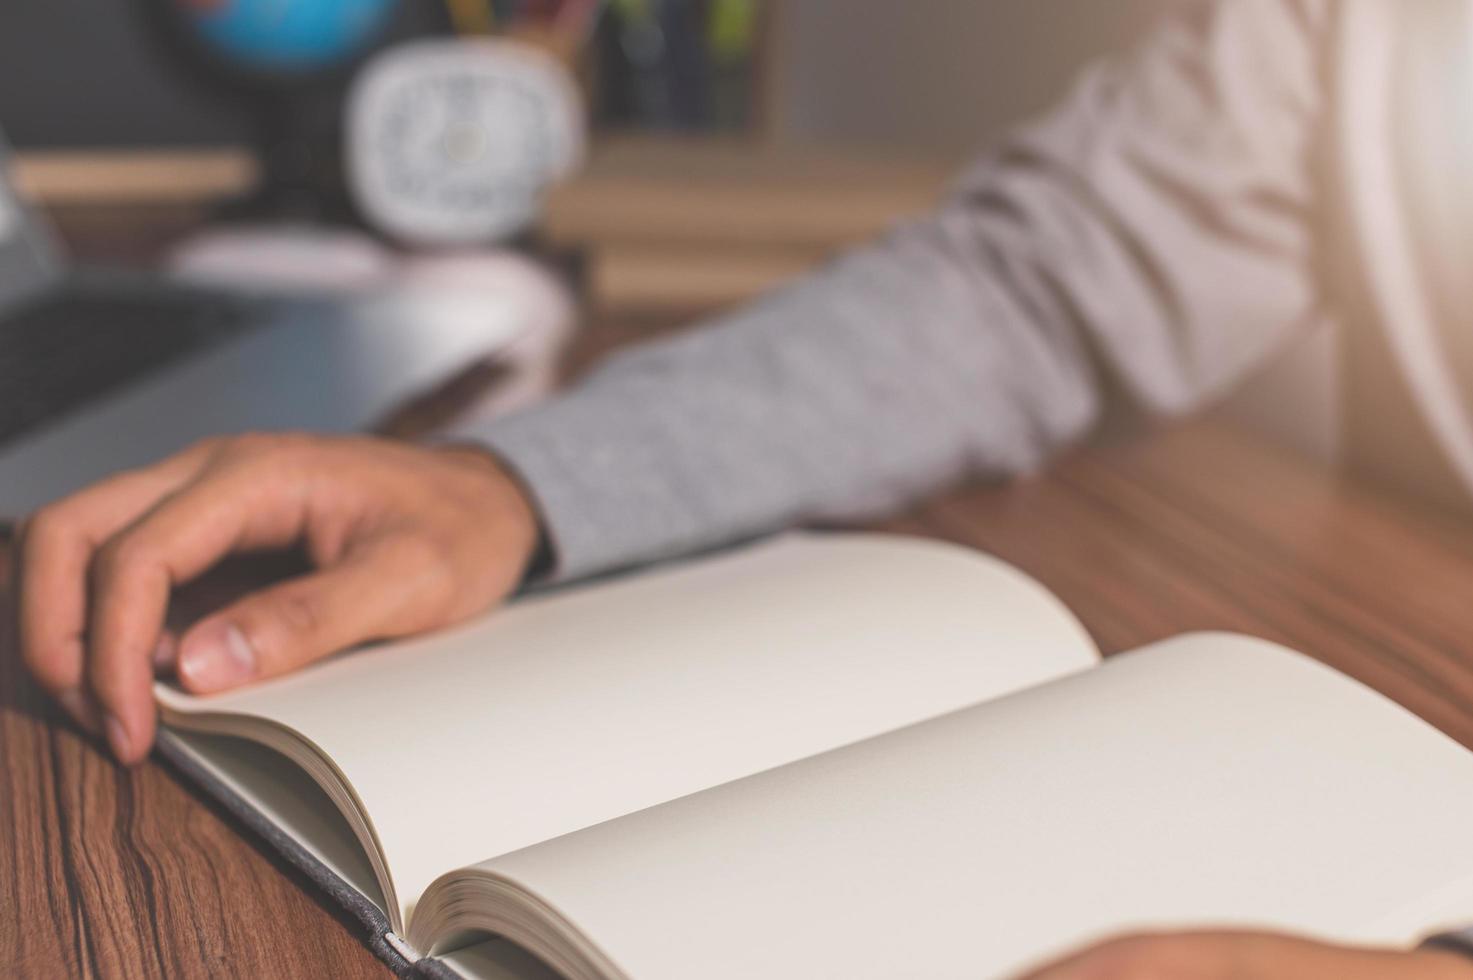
[(1149, 241)]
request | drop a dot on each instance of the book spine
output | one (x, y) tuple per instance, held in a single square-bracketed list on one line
[(397, 955)]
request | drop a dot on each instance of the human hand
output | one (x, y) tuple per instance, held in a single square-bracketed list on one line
[(1248, 956), (402, 539)]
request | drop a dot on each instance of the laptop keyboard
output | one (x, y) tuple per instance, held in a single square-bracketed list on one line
[(72, 347)]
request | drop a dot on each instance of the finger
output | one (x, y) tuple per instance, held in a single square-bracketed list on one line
[(54, 550), (1247, 956), (1188, 955), (237, 507), (394, 589)]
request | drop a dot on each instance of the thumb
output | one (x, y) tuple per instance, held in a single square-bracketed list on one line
[(297, 622)]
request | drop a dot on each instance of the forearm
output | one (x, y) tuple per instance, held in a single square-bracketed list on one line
[(842, 396), (1150, 237)]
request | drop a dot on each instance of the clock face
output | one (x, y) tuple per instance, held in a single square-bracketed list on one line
[(455, 150)]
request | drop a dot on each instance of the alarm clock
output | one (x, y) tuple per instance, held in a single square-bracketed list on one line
[(452, 143)]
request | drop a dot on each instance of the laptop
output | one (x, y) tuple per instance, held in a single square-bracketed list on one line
[(102, 371)]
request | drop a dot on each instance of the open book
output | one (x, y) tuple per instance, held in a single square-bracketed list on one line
[(836, 755)]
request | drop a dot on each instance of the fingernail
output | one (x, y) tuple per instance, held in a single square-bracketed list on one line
[(117, 736), (217, 658)]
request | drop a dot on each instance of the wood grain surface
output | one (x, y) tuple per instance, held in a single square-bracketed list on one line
[(117, 873), (113, 873)]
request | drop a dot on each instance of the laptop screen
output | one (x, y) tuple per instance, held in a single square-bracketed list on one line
[(28, 260)]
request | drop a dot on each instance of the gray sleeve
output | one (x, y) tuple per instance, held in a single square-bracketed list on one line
[(1150, 238)]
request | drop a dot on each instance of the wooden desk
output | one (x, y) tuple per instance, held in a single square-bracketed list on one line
[(114, 873), (123, 874)]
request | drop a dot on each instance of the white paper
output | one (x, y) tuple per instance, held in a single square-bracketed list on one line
[(1212, 780), (567, 710)]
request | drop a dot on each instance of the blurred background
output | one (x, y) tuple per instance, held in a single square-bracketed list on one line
[(732, 144), (927, 75)]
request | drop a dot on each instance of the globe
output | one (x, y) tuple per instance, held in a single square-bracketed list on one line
[(285, 37), (284, 65)]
